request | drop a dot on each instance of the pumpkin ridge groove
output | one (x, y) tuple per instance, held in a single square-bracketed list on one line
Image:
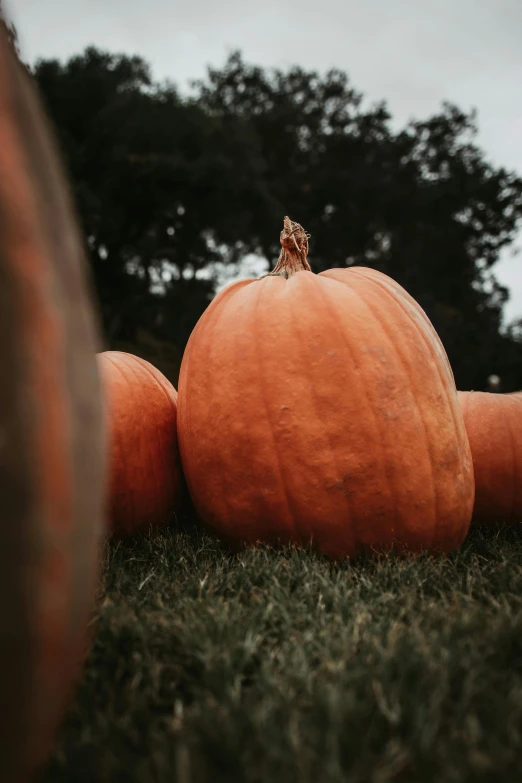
[(171, 402), (335, 318), (390, 294), (403, 297), (318, 413), (152, 461), (216, 316), (158, 381), (118, 368), (409, 374), (269, 418)]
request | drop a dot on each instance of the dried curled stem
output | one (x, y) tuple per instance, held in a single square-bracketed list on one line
[(294, 250)]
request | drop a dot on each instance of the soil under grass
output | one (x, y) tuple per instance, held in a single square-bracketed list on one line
[(278, 666)]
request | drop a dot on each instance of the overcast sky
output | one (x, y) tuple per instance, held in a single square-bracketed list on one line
[(412, 53)]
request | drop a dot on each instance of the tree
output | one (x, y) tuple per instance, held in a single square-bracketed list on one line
[(168, 185), (153, 176), (422, 205), (9, 29)]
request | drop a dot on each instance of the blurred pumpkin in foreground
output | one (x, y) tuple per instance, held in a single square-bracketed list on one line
[(52, 437)]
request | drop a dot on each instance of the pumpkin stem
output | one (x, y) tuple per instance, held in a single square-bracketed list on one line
[(294, 250)]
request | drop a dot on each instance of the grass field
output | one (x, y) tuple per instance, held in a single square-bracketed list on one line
[(278, 667)]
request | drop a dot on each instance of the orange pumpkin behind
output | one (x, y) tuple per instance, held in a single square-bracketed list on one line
[(494, 427), (145, 471)]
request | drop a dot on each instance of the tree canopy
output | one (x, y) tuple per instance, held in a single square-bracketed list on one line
[(170, 187), (9, 29)]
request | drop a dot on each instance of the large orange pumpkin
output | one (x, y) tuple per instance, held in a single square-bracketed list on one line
[(323, 408), (145, 471), (52, 446), (494, 427)]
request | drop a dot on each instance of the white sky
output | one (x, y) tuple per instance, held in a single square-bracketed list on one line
[(412, 54)]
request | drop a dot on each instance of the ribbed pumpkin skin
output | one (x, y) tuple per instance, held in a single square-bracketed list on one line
[(145, 470), (323, 408), (494, 426), (52, 443)]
